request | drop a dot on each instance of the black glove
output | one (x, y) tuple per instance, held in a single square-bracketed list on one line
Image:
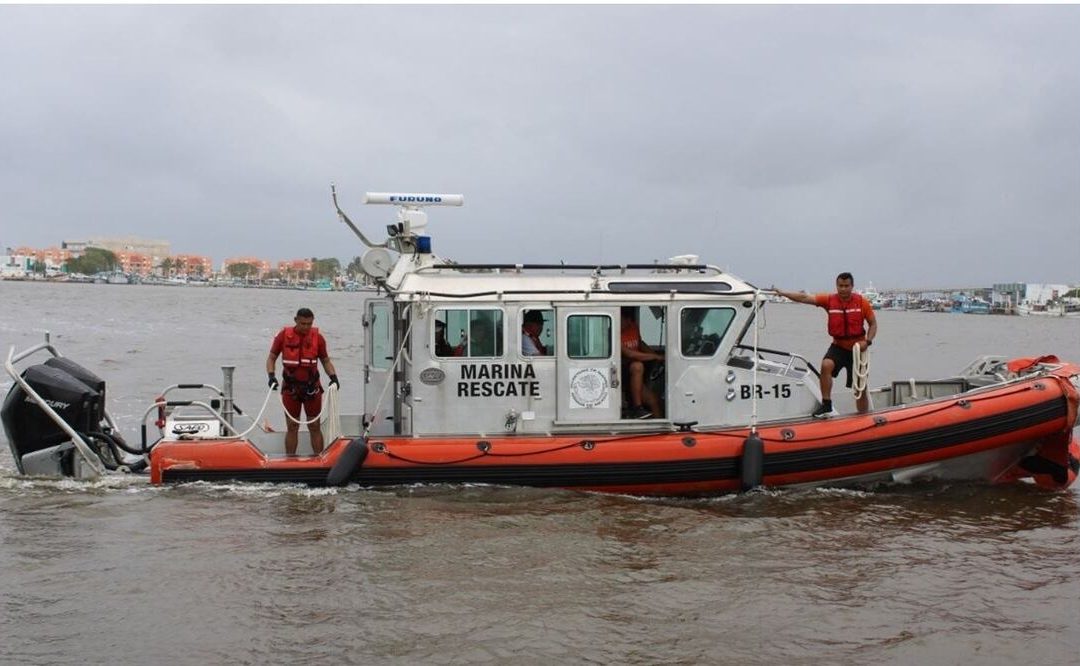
[(272, 383), (334, 381)]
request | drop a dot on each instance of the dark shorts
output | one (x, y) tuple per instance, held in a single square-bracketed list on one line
[(312, 404), (842, 358)]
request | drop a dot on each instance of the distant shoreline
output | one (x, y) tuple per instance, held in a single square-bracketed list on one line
[(196, 284)]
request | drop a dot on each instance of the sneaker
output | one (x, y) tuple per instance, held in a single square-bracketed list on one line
[(638, 413), (823, 412)]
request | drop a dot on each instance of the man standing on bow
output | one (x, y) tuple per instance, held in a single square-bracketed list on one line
[(301, 348), (848, 312)]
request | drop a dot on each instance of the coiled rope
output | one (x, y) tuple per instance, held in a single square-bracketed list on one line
[(331, 402), (860, 368)]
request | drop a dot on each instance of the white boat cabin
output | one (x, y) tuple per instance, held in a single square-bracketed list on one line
[(445, 353)]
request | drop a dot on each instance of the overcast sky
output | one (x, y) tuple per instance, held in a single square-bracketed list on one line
[(913, 145)]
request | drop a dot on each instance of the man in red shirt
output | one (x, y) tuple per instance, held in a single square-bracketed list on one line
[(635, 354), (301, 347), (848, 311)]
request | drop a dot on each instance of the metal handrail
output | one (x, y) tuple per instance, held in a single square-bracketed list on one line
[(158, 404), (792, 357)]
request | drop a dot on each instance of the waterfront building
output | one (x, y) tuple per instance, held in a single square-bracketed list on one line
[(14, 264), (53, 258), (192, 265), (262, 266), (292, 269), (135, 263)]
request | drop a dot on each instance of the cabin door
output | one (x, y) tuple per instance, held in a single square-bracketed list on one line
[(587, 376), (702, 389), (378, 366)]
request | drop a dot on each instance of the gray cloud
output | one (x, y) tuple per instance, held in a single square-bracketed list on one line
[(912, 145)]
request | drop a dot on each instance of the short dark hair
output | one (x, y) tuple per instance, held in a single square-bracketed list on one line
[(846, 276), (534, 316), (305, 313)]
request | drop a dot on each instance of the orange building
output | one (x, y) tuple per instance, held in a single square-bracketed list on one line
[(294, 267), (192, 265), (135, 262), (53, 257), (262, 266)]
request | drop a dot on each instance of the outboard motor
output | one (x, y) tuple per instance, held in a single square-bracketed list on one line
[(39, 444)]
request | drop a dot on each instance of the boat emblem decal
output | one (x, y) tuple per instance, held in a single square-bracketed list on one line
[(432, 376), (588, 388)]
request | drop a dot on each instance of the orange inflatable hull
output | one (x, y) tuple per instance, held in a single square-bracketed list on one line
[(1021, 430)]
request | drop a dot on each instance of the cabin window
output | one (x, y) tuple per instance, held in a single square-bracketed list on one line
[(702, 329), (588, 336), (468, 332), (382, 343), (537, 332)]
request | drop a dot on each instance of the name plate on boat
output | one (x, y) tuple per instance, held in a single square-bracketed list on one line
[(432, 376), (498, 380)]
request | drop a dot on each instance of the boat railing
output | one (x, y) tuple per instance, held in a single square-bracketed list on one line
[(184, 423), (596, 269), (775, 361), (220, 409), (77, 440)]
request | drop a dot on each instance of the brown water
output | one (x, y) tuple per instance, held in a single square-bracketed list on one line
[(118, 572)]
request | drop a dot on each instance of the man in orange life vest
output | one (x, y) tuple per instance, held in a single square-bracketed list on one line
[(848, 311), (301, 348)]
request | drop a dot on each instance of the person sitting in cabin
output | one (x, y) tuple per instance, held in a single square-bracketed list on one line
[(442, 347), (530, 335), (635, 354), (301, 347), (848, 313), (481, 340)]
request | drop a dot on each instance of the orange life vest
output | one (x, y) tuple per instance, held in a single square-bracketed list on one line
[(846, 318), (300, 355)]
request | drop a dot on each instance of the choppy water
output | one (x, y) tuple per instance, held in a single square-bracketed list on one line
[(119, 572)]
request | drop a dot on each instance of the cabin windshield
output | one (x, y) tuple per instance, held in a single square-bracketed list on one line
[(702, 329)]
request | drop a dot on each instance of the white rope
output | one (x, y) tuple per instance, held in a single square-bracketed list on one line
[(333, 419), (313, 419), (860, 368), (255, 421)]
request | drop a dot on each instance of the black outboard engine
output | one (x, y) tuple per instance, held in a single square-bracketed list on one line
[(39, 444)]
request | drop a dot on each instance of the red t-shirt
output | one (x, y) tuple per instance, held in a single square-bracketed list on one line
[(300, 373), (822, 301), (631, 337)]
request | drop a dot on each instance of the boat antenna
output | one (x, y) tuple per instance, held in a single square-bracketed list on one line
[(345, 218)]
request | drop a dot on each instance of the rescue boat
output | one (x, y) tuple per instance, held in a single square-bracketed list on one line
[(454, 393)]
